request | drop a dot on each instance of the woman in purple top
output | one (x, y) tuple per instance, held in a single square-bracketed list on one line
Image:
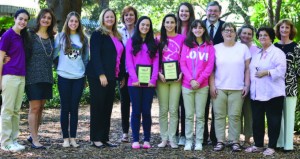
[(186, 16), (103, 69), (245, 34), (267, 74), (168, 92), (13, 80), (141, 50)]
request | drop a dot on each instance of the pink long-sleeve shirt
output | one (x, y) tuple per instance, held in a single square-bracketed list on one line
[(119, 48), (268, 87), (141, 58), (197, 64)]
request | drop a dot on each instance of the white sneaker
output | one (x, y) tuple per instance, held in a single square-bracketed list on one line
[(188, 147), (173, 145), (162, 144), (21, 147), (198, 147), (181, 141), (11, 148)]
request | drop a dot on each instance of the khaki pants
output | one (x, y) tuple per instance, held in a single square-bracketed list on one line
[(168, 96), (194, 103), (246, 118), (12, 95), (228, 102), (286, 136)]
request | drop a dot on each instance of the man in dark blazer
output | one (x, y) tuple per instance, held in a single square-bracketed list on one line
[(214, 26)]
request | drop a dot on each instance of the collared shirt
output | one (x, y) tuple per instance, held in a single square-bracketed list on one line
[(216, 26), (125, 35), (268, 87)]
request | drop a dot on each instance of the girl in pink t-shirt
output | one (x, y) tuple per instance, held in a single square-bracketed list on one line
[(169, 90), (197, 62)]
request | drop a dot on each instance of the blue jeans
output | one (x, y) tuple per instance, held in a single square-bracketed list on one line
[(141, 99), (70, 91)]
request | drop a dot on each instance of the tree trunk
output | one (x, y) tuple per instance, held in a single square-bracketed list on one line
[(62, 8), (103, 4), (277, 10), (270, 13)]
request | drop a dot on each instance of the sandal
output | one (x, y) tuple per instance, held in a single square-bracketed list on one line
[(236, 147), (219, 147), (269, 152), (252, 149)]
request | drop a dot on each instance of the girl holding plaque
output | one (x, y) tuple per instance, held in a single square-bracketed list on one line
[(169, 87), (103, 69), (142, 65), (185, 16), (197, 63)]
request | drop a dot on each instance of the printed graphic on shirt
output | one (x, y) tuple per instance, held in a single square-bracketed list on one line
[(75, 52), (199, 55), (173, 49)]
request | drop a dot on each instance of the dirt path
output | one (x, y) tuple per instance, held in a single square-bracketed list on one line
[(51, 137)]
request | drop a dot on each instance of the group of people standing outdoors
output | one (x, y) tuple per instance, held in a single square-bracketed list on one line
[(237, 78)]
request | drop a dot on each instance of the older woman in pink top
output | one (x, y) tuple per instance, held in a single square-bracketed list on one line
[(267, 73)]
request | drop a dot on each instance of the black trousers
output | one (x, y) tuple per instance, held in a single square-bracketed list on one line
[(181, 118), (102, 99), (273, 110), (125, 105), (212, 133)]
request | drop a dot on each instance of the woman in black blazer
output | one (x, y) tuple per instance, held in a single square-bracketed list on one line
[(106, 65)]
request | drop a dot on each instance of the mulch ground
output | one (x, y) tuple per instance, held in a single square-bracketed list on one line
[(50, 136)]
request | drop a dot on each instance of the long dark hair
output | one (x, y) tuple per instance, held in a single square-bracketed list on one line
[(137, 40), (24, 34), (67, 32), (191, 19), (191, 38), (163, 35), (50, 29)]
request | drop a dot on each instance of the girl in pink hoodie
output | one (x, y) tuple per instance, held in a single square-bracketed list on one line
[(141, 49), (197, 62)]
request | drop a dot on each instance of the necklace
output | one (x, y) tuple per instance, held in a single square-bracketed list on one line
[(47, 54)]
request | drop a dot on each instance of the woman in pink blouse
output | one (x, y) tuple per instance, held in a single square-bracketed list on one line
[(267, 75)]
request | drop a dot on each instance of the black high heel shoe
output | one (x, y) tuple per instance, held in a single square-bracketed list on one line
[(100, 146), (109, 144), (37, 147), (29, 139)]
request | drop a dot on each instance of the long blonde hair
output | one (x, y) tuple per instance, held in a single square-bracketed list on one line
[(102, 28)]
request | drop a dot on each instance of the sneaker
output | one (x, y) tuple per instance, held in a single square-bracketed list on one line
[(135, 145), (181, 141), (125, 138), (253, 149), (173, 145), (11, 148), (146, 145), (219, 147), (269, 152), (162, 144), (188, 147), (21, 147), (66, 143), (198, 147), (236, 147)]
